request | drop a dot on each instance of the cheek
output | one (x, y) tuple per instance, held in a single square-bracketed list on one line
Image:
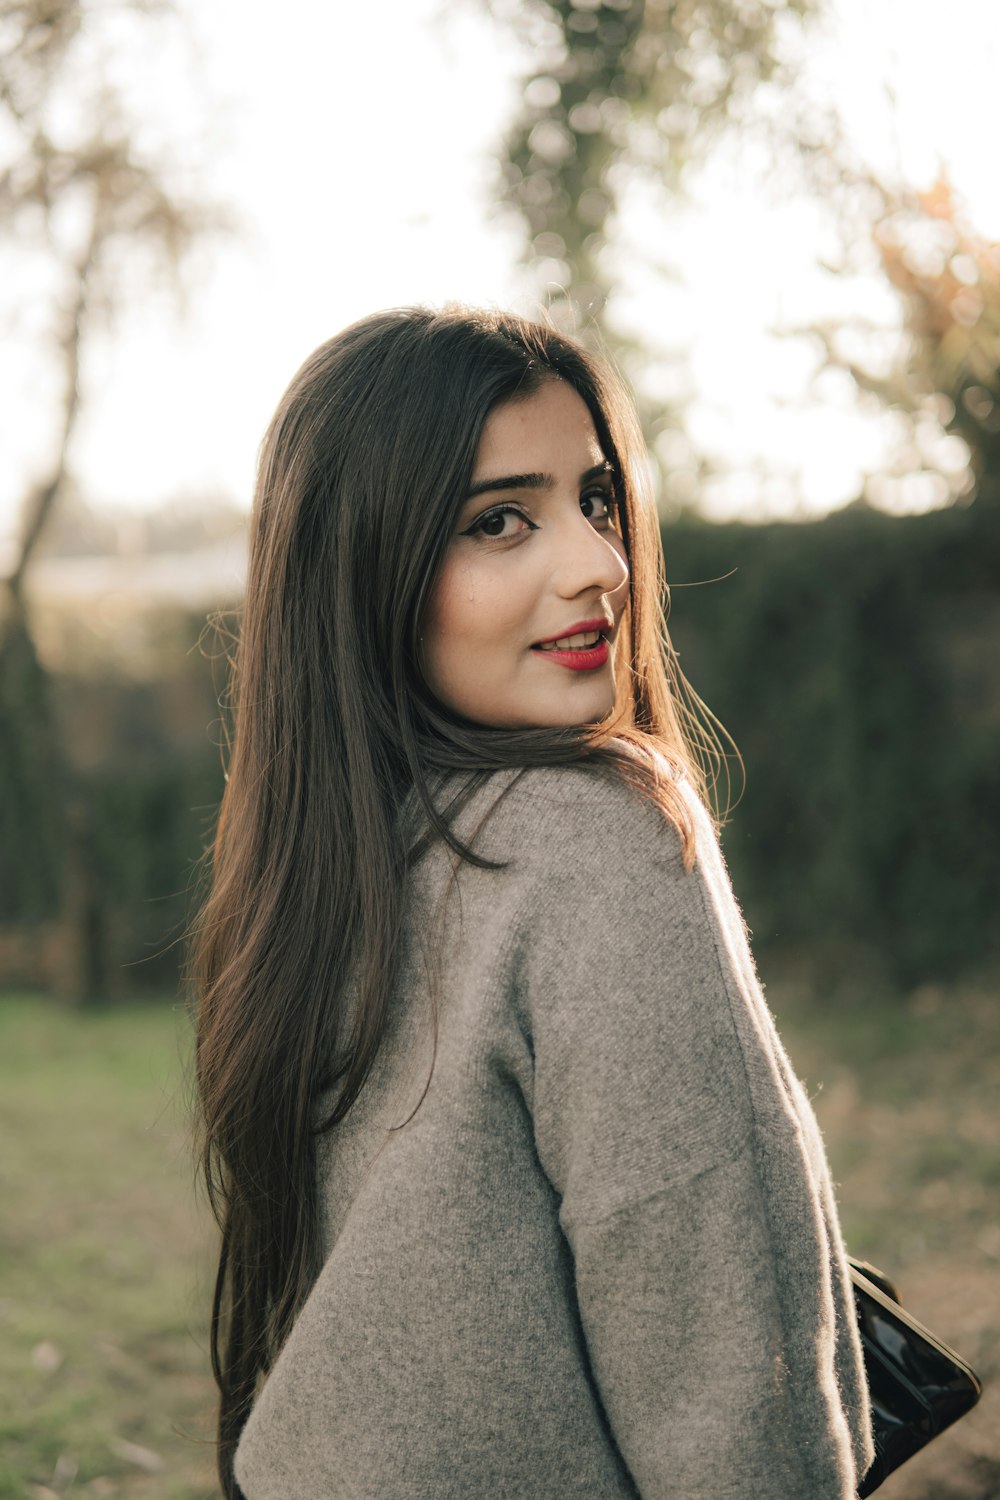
[(472, 606), (457, 628), (451, 614)]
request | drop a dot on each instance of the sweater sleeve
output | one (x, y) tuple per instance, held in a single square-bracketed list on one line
[(692, 1185)]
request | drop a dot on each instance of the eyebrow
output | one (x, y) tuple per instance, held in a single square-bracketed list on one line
[(531, 481)]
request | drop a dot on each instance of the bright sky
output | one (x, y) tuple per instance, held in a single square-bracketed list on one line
[(354, 144)]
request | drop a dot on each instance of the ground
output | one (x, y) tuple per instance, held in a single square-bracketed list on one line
[(105, 1248), (104, 1264), (906, 1089)]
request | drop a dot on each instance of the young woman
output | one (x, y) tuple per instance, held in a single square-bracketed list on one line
[(518, 1193)]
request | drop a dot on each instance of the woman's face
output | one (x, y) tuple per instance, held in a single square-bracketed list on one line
[(521, 627)]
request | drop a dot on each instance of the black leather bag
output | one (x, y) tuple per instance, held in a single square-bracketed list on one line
[(918, 1386)]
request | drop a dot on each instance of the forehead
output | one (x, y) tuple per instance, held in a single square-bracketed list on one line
[(539, 433)]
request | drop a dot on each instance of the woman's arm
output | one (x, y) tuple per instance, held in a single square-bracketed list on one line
[(694, 1192)]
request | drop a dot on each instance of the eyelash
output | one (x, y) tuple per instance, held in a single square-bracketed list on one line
[(608, 499), (476, 529)]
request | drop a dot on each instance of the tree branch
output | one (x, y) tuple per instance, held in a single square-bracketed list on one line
[(43, 497)]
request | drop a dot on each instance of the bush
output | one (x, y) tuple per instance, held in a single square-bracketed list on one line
[(854, 661)]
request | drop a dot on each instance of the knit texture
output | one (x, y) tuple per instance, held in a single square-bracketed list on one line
[(580, 1233)]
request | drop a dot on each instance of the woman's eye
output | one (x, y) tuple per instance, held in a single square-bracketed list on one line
[(494, 523), (599, 505)]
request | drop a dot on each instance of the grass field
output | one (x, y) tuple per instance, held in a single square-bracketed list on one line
[(907, 1091), (105, 1256), (104, 1275)]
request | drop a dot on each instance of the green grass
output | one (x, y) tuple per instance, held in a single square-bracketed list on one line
[(907, 1093), (104, 1257)]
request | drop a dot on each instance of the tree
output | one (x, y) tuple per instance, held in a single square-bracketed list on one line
[(81, 193), (106, 219), (943, 374), (625, 90), (624, 99)]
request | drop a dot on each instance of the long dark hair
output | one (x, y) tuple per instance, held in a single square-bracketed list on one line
[(361, 473)]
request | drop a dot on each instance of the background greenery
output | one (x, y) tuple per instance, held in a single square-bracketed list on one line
[(854, 661), (104, 1257)]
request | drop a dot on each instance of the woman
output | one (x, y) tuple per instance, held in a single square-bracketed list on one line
[(518, 1193)]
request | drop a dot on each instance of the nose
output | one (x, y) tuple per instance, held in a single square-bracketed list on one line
[(587, 560)]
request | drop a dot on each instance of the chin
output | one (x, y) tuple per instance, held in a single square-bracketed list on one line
[(562, 710), (582, 710)]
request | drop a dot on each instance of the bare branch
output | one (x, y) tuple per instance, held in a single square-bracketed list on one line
[(42, 499), (111, 219)]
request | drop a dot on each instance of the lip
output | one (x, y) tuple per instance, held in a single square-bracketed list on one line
[(601, 623), (588, 660)]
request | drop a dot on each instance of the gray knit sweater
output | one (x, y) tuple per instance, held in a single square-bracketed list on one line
[(598, 1255)]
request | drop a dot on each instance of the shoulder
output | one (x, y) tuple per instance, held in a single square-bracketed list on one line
[(537, 817), (560, 849), (586, 853)]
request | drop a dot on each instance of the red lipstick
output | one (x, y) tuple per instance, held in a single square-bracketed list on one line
[(582, 627), (579, 658)]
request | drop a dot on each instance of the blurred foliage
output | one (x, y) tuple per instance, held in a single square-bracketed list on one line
[(621, 104), (620, 90), (945, 372), (854, 661), (103, 219), (31, 829), (135, 721), (624, 99)]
